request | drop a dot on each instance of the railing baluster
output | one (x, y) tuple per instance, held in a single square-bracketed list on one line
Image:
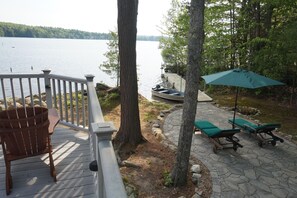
[(71, 102), (60, 100), (76, 103), (65, 100), (39, 91), (63, 90), (54, 93), (83, 105), (60, 87), (22, 92), (3, 93), (30, 90), (12, 92)]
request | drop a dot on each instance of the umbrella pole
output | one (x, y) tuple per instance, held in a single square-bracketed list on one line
[(235, 107)]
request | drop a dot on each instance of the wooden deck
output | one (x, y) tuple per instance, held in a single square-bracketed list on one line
[(31, 176)]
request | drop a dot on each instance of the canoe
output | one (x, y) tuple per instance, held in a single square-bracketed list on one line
[(168, 94)]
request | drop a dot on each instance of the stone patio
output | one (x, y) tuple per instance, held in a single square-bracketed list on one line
[(251, 171)]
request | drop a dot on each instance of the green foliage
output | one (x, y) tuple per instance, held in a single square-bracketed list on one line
[(108, 101), (148, 38), (174, 43), (79, 98), (279, 54), (112, 65), (1, 32), (17, 30), (255, 35), (218, 35), (167, 178)]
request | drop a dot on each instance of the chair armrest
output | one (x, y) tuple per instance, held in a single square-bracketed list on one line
[(54, 119), (231, 130), (272, 125)]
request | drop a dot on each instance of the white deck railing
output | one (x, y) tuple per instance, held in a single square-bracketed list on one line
[(109, 177), (73, 98)]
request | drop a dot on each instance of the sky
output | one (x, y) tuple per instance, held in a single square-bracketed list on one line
[(87, 15)]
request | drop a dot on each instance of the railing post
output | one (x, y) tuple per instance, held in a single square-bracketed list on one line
[(93, 101), (103, 131), (90, 85), (94, 139), (109, 179), (48, 89)]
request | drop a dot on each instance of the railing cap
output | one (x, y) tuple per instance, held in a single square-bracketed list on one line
[(103, 130), (89, 77), (46, 71)]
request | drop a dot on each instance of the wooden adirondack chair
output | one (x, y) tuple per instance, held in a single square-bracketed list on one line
[(24, 132)]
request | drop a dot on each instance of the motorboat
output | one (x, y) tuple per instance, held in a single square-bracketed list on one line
[(167, 93)]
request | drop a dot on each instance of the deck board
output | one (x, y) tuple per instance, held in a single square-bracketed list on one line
[(31, 176)]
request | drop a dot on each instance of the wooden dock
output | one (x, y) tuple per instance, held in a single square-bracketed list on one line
[(179, 83), (31, 176)]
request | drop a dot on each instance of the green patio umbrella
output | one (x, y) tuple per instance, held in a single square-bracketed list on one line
[(239, 78)]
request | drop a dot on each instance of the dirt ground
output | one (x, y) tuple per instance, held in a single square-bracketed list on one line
[(154, 160)]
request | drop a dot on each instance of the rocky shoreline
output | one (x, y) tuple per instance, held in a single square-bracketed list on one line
[(19, 102)]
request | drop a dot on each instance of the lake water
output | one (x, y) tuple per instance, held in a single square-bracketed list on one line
[(76, 58)]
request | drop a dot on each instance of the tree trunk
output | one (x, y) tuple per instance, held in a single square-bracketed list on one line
[(242, 34), (129, 131), (232, 34), (257, 18), (180, 170), (268, 19)]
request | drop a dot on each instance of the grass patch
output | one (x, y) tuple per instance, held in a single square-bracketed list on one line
[(109, 101), (270, 110), (167, 179), (149, 110), (153, 109)]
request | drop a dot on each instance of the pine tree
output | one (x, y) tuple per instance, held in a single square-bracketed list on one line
[(112, 65)]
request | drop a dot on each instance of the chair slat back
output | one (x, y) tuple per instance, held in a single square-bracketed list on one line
[(24, 131)]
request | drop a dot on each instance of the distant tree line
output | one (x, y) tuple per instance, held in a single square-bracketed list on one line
[(19, 30)]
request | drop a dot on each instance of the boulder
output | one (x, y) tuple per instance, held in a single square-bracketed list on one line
[(18, 105), (196, 168), (160, 118), (27, 101), (19, 100), (43, 104), (162, 115), (196, 178)]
